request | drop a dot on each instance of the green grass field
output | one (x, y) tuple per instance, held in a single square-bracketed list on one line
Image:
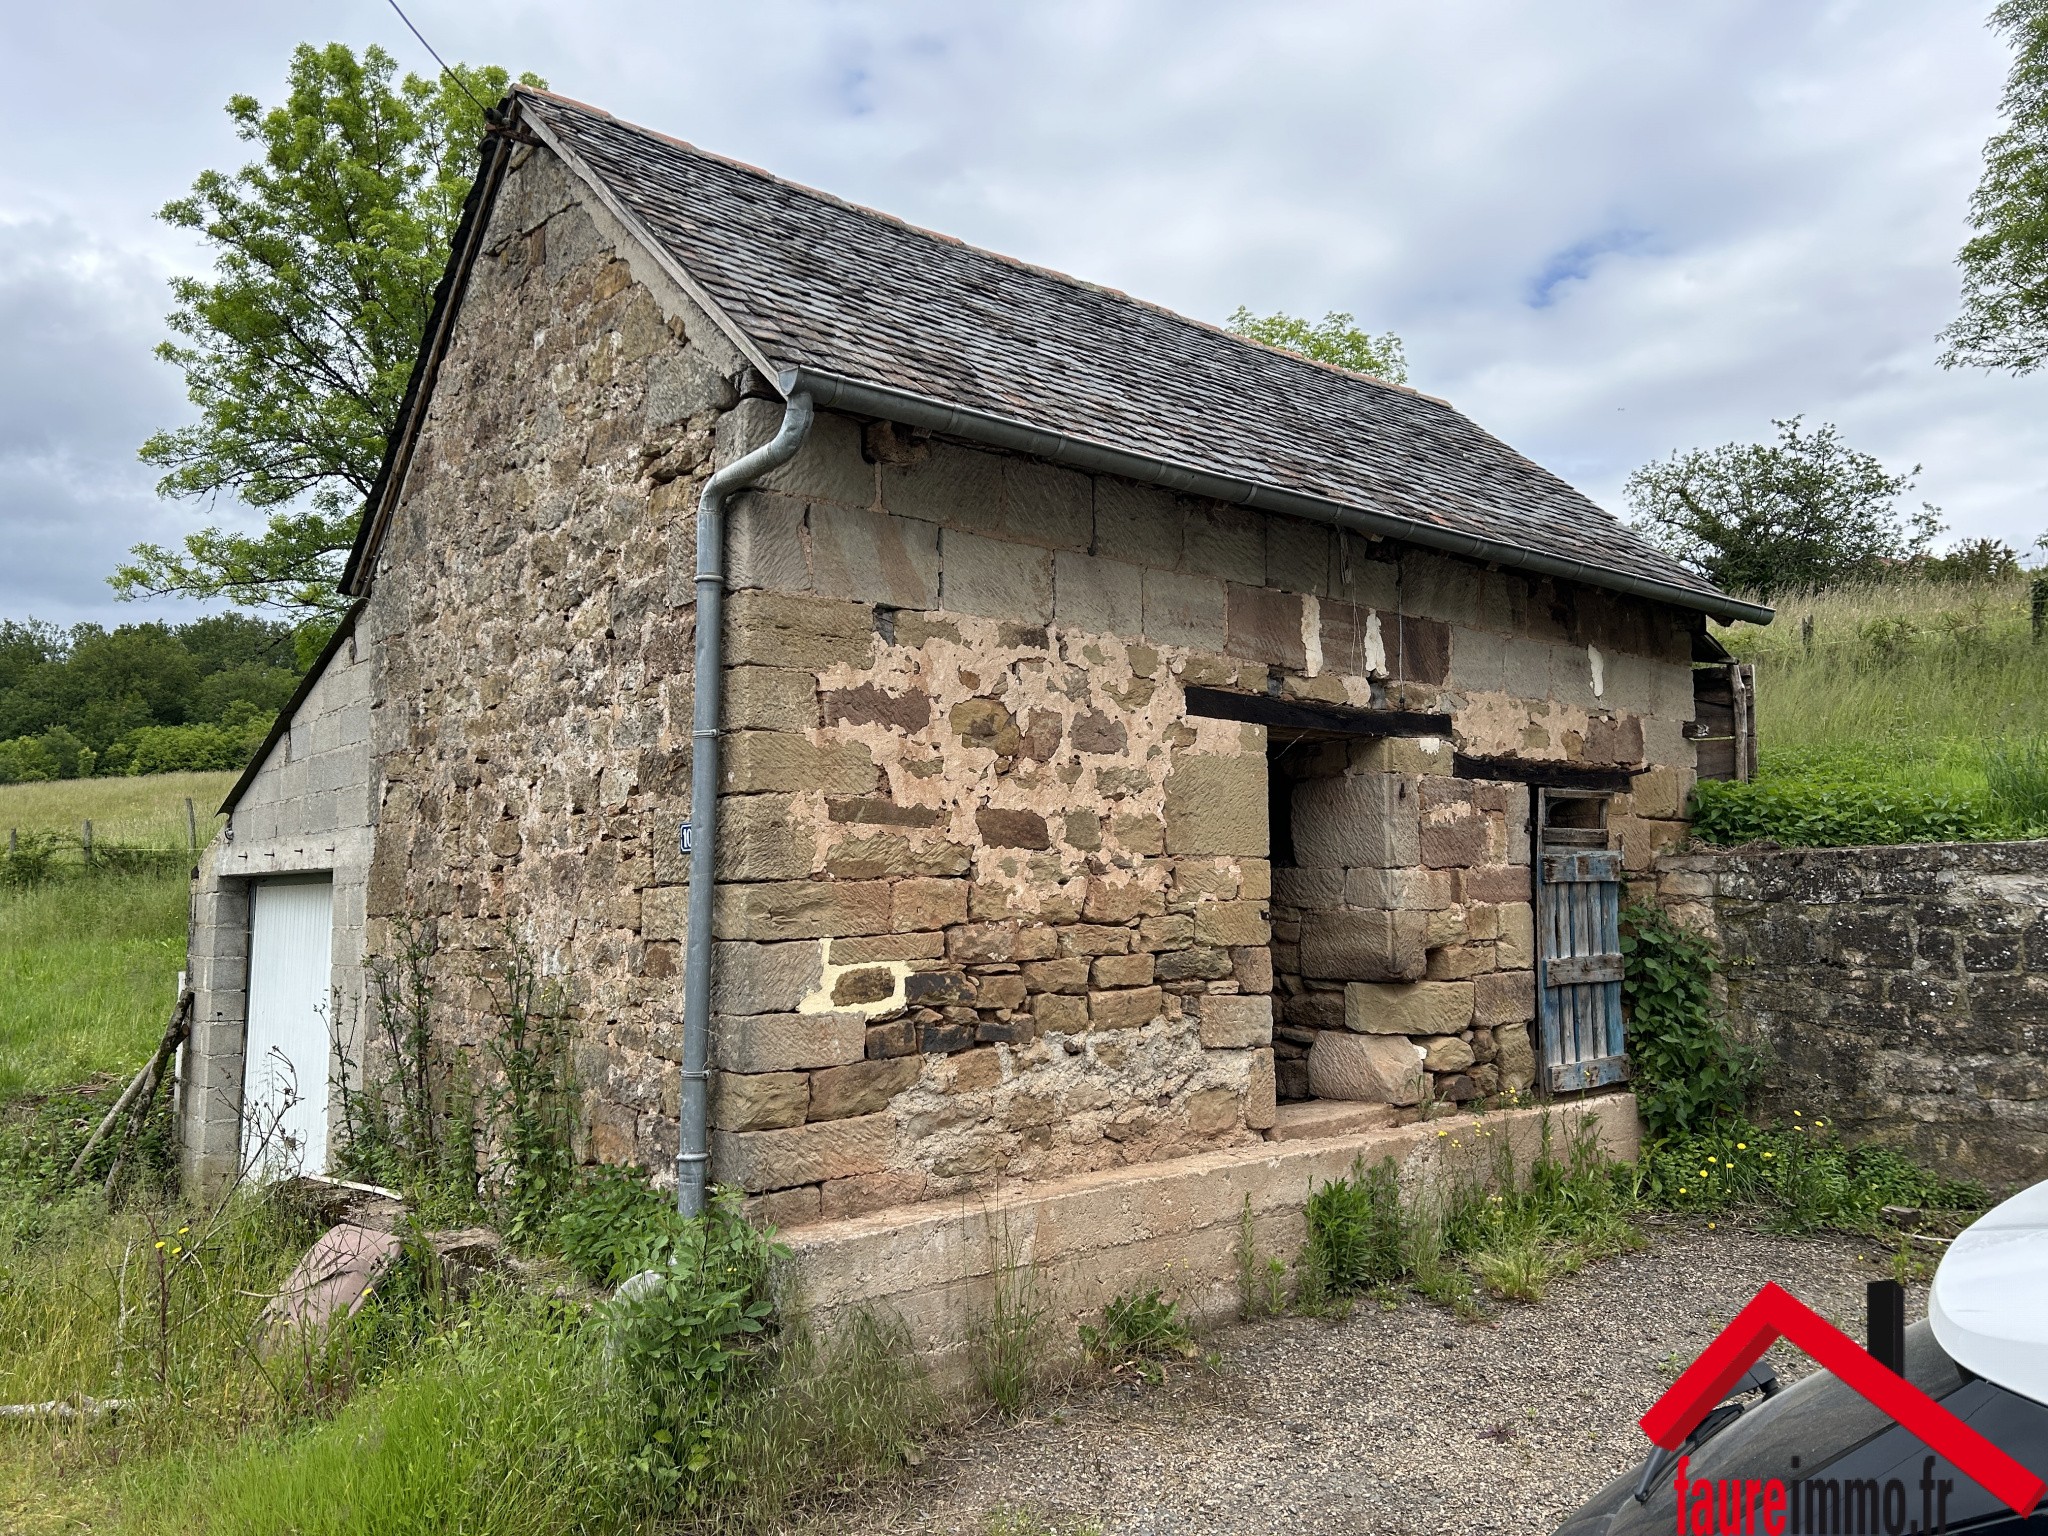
[(147, 810), (1935, 687)]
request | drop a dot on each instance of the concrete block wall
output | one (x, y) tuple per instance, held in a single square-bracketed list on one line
[(309, 809), (1900, 993)]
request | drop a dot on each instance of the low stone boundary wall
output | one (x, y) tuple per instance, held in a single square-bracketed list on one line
[(1901, 992), (1173, 1224)]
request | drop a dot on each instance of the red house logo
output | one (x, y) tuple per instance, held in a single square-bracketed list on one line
[(1774, 1313)]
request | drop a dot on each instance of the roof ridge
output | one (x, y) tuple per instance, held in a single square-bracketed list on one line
[(1052, 273)]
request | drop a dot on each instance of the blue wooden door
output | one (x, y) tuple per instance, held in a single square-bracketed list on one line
[(1578, 967)]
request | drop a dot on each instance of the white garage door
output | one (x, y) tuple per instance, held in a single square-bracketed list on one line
[(284, 1078)]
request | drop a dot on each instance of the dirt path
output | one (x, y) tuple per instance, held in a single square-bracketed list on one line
[(1399, 1419)]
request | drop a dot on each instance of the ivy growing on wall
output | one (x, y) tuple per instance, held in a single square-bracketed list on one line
[(1690, 1074)]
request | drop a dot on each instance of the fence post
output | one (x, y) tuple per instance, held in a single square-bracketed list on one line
[(191, 826), (2039, 606), (1806, 633), (86, 843), (13, 841)]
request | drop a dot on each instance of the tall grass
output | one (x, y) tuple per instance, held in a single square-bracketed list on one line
[(147, 810), (88, 972), (1924, 687)]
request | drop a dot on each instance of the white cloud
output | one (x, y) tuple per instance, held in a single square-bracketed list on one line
[(1606, 229)]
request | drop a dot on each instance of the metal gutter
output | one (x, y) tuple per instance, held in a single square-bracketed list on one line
[(914, 410), (693, 1141)]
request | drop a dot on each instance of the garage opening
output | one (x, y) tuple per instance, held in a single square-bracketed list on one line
[(290, 1039)]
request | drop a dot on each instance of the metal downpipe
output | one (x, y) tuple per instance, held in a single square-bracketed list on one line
[(693, 1147)]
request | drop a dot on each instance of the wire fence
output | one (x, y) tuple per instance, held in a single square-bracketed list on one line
[(39, 855)]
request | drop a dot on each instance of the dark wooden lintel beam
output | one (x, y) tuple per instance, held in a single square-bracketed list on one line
[(1313, 718), (1544, 775)]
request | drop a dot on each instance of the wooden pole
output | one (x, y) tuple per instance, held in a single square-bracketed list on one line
[(143, 1084), (191, 826), (87, 844)]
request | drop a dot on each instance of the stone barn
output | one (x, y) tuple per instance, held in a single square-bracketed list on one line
[(1099, 740)]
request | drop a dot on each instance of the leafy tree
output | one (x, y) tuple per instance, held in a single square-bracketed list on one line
[(1797, 515), (2004, 323), (1333, 339), (327, 249)]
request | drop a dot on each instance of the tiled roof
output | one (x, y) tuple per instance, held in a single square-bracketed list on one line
[(819, 283)]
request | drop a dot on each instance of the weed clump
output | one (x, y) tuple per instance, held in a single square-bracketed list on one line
[(1139, 1330)]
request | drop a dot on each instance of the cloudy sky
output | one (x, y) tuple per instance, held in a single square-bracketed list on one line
[(1606, 229)]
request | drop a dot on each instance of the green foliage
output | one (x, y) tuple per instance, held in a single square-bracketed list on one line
[(143, 698), (1798, 1178), (1972, 562), (2004, 323), (1798, 515), (1687, 1071), (613, 1224), (2017, 774), (1261, 1277), (691, 1342), (1138, 1329), (1821, 810), (1333, 339), (532, 1099), (327, 249), (1356, 1234)]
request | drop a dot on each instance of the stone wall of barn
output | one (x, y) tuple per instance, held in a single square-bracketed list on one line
[(992, 904), (996, 905)]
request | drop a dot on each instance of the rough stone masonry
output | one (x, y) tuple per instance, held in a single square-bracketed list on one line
[(993, 904)]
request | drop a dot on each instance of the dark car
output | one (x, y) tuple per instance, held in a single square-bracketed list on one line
[(1845, 1468)]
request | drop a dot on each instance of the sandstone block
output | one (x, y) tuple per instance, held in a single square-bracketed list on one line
[(1359, 820), (1066, 975), (770, 699), (1407, 890), (1082, 829), (1096, 596), (898, 1037), (1350, 945), (1228, 923), (1199, 963), (1125, 1010), (867, 984), (787, 1042), (1506, 997), (862, 1087), (1012, 829), (1460, 962), (1217, 805), (1139, 834), (1252, 964), (1408, 1008), (1263, 625), (1045, 504), (1004, 990), (874, 557), (994, 579), (1446, 1053), (763, 978), (982, 943), (1517, 949), (1140, 524), (908, 711), (802, 909), (1320, 889), (834, 1149), (1503, 883), (919, 904), (780, 629), (1123, 970), (1515, 1058), (1184, 609), (758, 1101), (829, 466), (756, 762), (1234, 1023), (1261, 1108), (875, 948), (1212, 1111), (785, 1208), (1094, 939), (765, 543), (1454, 844), (1054, 1011), (759, 839), (1174, 931), (951, 484), (875, 855), (1373, 1069), (1121, 901)]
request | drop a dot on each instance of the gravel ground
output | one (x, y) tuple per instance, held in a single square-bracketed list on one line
[(1400, 1419)]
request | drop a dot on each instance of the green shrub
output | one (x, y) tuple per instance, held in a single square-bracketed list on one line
[(614, 1223), (691, 1343), (1688, 1073), (1137, 1329), (194, 748), (1823, 812), (1356, 1232), (1798, 1178)]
